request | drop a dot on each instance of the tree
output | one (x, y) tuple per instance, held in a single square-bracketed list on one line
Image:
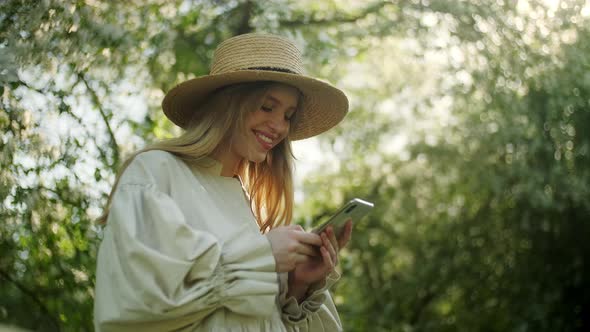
[(482, 227), (467, 128)]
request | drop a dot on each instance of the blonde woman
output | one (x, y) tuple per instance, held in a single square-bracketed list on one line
[(197, 234)]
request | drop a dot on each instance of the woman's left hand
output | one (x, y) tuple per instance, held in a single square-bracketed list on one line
[(318, 268)]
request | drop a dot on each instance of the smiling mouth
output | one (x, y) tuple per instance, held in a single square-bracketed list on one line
[(264, 140)]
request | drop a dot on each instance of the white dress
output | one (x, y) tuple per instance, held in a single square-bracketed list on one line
[(182, 252)]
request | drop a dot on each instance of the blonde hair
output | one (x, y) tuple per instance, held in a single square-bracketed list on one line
[(269, 184)]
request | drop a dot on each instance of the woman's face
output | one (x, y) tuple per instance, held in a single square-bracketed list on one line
[(267, 126)]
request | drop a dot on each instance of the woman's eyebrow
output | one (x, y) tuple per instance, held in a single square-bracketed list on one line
[(277, 101), (273, 99)]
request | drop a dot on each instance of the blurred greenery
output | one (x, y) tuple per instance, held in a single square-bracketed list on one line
[(469, 128)]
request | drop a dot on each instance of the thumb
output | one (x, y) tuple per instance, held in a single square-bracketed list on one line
[(297, 227)]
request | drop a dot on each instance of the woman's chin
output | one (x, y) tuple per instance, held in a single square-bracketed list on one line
[(257, 157)]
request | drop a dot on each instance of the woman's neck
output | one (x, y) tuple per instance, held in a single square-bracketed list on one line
[(229, 162)]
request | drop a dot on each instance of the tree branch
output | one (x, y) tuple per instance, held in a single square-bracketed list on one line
[(21, 82), (423, 302), (60, 95), (244, 26), (32, 295), (104, 117), (336, 19)]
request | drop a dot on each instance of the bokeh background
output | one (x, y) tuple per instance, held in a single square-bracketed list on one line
[(469, 129)]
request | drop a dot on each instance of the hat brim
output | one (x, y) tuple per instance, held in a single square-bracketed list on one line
[(323, 105)]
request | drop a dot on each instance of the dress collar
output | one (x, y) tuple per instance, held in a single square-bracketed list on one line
[(213, 167), (209, 165)]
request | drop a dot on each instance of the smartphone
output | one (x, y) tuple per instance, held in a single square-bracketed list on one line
[(355, 210)]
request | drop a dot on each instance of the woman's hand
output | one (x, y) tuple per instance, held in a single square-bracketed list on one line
[(317, 268), (291, 245)]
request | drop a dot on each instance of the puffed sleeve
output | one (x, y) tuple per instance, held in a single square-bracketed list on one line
[(157, 273), (316, 313)]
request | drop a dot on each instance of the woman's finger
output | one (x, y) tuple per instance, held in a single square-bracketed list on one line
[(308, 250), (301, 259), (308, 238), (327, 259), (332, 237), (345, 235), (331, 250)]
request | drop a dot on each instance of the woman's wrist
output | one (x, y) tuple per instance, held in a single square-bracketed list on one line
[(297, 289)]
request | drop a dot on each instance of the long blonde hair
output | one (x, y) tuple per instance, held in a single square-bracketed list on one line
[(269, 184)]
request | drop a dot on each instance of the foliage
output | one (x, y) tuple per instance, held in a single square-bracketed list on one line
[(482, 228), (468, 129)]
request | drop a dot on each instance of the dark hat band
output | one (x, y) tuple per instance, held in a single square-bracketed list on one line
[(281, 70)]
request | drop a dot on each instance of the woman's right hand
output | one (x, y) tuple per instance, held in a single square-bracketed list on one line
[(291, 245)]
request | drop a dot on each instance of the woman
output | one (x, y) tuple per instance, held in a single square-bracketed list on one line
[(182, 247)]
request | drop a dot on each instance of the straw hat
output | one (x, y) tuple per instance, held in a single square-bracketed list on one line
[(261, 57)]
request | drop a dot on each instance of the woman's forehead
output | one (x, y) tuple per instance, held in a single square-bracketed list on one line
[(282, 94)]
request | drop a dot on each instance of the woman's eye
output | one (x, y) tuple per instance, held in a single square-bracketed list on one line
[(266, 109)]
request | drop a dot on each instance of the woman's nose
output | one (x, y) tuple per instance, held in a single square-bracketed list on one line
[(278, 123)]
